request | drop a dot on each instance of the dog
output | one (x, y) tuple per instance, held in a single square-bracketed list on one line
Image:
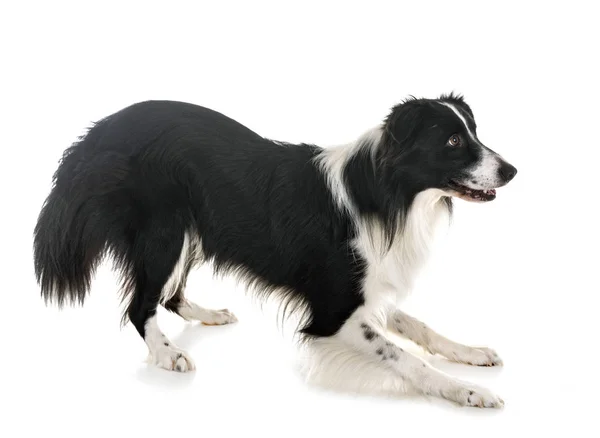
[(338, 234)]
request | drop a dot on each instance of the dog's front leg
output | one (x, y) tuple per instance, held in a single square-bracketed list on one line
[(418, 332), (362, 334)]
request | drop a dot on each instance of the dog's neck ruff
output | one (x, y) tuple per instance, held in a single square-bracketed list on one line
[(333, 161), (398, 264)]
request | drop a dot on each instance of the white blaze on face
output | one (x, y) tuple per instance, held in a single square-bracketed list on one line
[(462, 119), (485, 174)]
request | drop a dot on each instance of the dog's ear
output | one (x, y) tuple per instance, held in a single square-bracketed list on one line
[(403, 123), (457, 100)]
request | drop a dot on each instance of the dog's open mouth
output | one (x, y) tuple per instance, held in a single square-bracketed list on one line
[(470, 194)]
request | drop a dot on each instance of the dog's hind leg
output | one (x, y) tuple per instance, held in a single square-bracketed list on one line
[(153, 256), (177, 303), (359, 357), (190, 311), (418, 332)]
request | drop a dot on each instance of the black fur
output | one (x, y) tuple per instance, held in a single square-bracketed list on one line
[(143, 176), (146, 175)]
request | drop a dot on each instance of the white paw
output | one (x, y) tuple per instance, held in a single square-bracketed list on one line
[(476, 397), (217, 317), (485, 357), (479, 356), (491, 357), (172, 359)]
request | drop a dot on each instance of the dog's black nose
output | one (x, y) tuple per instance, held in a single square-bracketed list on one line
[(507, 171)]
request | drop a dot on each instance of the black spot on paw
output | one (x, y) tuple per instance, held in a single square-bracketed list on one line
[(166, 344), (379, 351), (368, 332)]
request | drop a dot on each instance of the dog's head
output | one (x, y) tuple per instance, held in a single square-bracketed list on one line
[(434, 143)]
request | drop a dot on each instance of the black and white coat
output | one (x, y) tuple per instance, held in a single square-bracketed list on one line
[(338, 234)]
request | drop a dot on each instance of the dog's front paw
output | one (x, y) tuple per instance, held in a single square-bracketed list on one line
[(487, 358), (478, 356), (482, 398), (474, 396)]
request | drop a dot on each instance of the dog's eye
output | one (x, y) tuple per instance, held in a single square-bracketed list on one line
[(454, 140)]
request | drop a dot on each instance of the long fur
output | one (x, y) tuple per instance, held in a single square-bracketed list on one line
[(337, 234)]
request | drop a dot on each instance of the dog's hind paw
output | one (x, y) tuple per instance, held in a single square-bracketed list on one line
[(172, 359), (192, 312), (218, 317)]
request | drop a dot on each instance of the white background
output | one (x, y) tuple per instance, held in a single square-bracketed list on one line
[(518, 274)]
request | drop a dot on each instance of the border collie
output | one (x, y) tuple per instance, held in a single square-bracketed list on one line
[(338, 233)]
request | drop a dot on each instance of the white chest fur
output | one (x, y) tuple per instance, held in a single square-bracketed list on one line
[(391, 273)]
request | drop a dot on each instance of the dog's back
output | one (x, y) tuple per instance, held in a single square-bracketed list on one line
[(162, 183)]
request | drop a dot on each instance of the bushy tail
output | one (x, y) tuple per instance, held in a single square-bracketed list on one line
[(68, 245)]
